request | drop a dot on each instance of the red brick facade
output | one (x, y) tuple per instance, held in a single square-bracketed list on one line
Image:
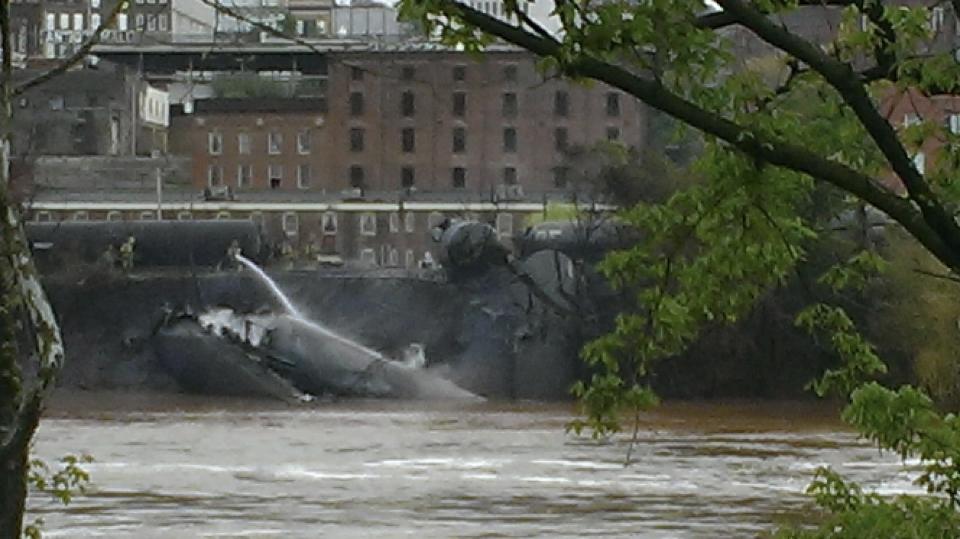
[(436, 122)]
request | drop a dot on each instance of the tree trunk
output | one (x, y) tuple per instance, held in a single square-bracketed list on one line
[(13, 493), (14, 467)]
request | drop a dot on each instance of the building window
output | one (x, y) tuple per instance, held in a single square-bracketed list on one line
[(459, 140), (560, 139), (561, 104), (303, 176), (613, 104), (394, 259), (221, 215), (356, 139), (394, 222), (274, 142), (303, 142), (920, 162), (328, 223), (613, 133), (162, 23), (356, 104), (152, 23), (510, 73), (356, 74), (43, 217), (95, 20), (138, 22), (368, 257), (936, 18), (560, 176), (459, 73), (291, 223), (407, 73), (275, 174), (356, 177), (509, 105), (406, 177), (509, 140), (408, 140), (184, 216), (148, 216), (910, 119), (78, 21), (244, 176), (214, 175), (411, 261), (215, 142), (243, 143), (410, 222), (114, 216), (953, 123), (407, 105), (510, 175), (368, 224), (81, 216), (459, 178), (505, 224), (459, 104)]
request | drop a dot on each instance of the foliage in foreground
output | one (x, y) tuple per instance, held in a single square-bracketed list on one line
[(62, 484), (808, 113)]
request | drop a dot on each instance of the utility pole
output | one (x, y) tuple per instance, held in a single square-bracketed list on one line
[(159, 194)]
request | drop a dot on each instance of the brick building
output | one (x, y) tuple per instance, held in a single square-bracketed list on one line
[(424, 121), (102, 110)]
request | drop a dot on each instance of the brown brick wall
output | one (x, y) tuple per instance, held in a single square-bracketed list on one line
[(382, 157)]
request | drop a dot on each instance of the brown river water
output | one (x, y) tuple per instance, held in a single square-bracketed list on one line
[(186, 467)]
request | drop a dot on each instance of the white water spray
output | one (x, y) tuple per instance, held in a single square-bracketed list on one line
[(293, 312), (274, 289)]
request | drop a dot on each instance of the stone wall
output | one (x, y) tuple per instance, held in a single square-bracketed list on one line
[(113, 173)]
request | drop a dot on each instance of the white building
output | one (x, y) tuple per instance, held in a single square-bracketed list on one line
[(540, 11)]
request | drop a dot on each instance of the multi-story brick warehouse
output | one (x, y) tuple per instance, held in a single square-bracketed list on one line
[(424, 121)]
